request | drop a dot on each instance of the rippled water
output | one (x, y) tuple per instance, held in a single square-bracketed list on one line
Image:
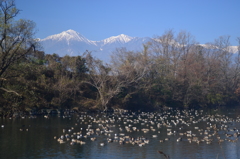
[(34, 137)]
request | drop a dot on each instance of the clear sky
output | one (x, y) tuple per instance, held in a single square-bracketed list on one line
[(100, 19)]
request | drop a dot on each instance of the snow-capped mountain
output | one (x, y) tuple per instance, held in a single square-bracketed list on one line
[(68, 42), (233, 49), (73, 43), (119, 39), (69, 35)]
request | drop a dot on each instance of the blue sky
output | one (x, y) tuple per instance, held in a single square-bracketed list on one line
[(100, 19)]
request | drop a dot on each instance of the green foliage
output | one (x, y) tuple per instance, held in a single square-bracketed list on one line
[(216, 99)]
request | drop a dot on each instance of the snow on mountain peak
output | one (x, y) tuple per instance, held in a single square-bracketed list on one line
[(70, 31), (233, 49), (67, 35), (71, 35), (120, 38)]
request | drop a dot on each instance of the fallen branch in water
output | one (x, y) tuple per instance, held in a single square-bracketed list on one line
[(162, 153)]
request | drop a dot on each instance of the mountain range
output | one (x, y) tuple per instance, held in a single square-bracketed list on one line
[(73, 43)]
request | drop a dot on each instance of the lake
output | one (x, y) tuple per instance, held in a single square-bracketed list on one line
[(188, 134)]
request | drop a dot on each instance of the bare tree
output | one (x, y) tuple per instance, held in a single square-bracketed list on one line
[(172, 56), (101, 79), (126, 68), (165, 54)]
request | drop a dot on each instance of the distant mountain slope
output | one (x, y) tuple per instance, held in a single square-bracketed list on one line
[(73, 43)]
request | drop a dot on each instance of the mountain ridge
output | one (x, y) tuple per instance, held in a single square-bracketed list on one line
[(73, 43)]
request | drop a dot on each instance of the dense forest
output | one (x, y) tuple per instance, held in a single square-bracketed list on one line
[(172, 70)]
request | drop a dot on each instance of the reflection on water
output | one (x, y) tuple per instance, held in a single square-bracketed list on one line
[(183, 134)]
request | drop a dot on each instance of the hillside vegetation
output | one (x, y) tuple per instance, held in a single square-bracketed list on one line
[(172, 70)]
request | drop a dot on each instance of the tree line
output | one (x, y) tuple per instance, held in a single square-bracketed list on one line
[(171, 70)]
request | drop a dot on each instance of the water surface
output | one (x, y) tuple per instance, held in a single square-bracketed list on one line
[(34, 137)]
